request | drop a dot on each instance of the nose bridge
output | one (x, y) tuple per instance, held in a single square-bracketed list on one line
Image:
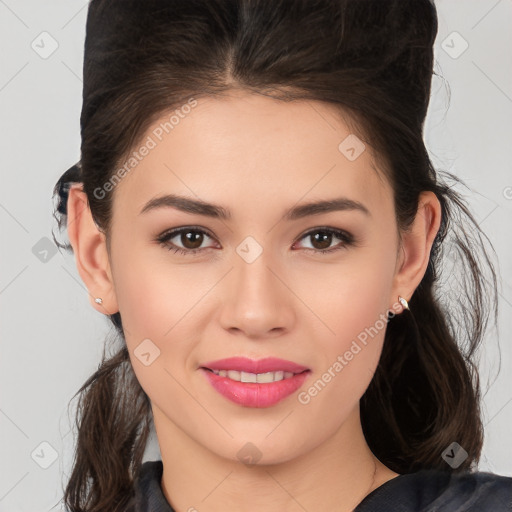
[(258, 301)]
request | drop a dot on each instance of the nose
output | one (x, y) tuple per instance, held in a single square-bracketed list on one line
[(256, 299)]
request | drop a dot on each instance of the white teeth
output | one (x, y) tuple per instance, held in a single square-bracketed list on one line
[(270, 376), (254, 377), (248, 377)]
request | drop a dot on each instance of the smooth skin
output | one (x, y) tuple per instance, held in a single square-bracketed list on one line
[(256, 157)]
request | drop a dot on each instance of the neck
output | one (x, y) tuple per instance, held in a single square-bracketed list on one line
[(334, 476)]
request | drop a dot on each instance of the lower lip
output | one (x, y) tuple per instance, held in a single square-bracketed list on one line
[(253, 394)]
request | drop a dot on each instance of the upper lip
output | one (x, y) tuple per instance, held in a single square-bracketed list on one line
[(244, 364)]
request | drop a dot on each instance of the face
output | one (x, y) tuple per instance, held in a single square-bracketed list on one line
[(312, 288)]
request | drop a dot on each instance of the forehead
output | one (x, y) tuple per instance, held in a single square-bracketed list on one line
[(243, 148)]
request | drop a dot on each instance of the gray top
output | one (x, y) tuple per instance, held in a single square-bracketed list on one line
[(423, 491)]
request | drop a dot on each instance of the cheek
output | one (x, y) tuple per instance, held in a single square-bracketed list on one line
[(161, 301), (153, 306), (148, 301), (351, 296), (350, 356), (143, 297), (352, 301)]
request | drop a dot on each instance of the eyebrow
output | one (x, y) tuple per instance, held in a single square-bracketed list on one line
[(199, 207)]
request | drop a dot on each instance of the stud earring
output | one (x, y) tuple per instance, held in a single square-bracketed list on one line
[(98, 300), (404, 303)]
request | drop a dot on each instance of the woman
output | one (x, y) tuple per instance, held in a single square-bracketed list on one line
[(293, 356)]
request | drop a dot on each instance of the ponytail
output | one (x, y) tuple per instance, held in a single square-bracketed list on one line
[(113, 422)]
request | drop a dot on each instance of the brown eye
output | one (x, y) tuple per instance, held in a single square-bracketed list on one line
[(322, 238), (191, 239), (186, 240)]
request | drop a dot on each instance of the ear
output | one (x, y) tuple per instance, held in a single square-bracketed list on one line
[(414, 252), (90, 250)]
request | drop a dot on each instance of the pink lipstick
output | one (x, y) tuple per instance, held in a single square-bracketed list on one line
[(255, 383)]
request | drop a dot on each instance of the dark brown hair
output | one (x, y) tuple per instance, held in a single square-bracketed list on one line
[(371, 61)]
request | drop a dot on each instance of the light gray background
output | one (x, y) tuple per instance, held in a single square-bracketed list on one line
[(52, 338)]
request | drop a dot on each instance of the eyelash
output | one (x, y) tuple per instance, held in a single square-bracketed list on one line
[(164, 238)]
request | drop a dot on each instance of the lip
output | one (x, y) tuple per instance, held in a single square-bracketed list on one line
[(252, 394), (244, 364)]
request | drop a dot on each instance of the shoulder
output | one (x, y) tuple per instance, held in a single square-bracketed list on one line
[(441, 491), (474, 492)]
